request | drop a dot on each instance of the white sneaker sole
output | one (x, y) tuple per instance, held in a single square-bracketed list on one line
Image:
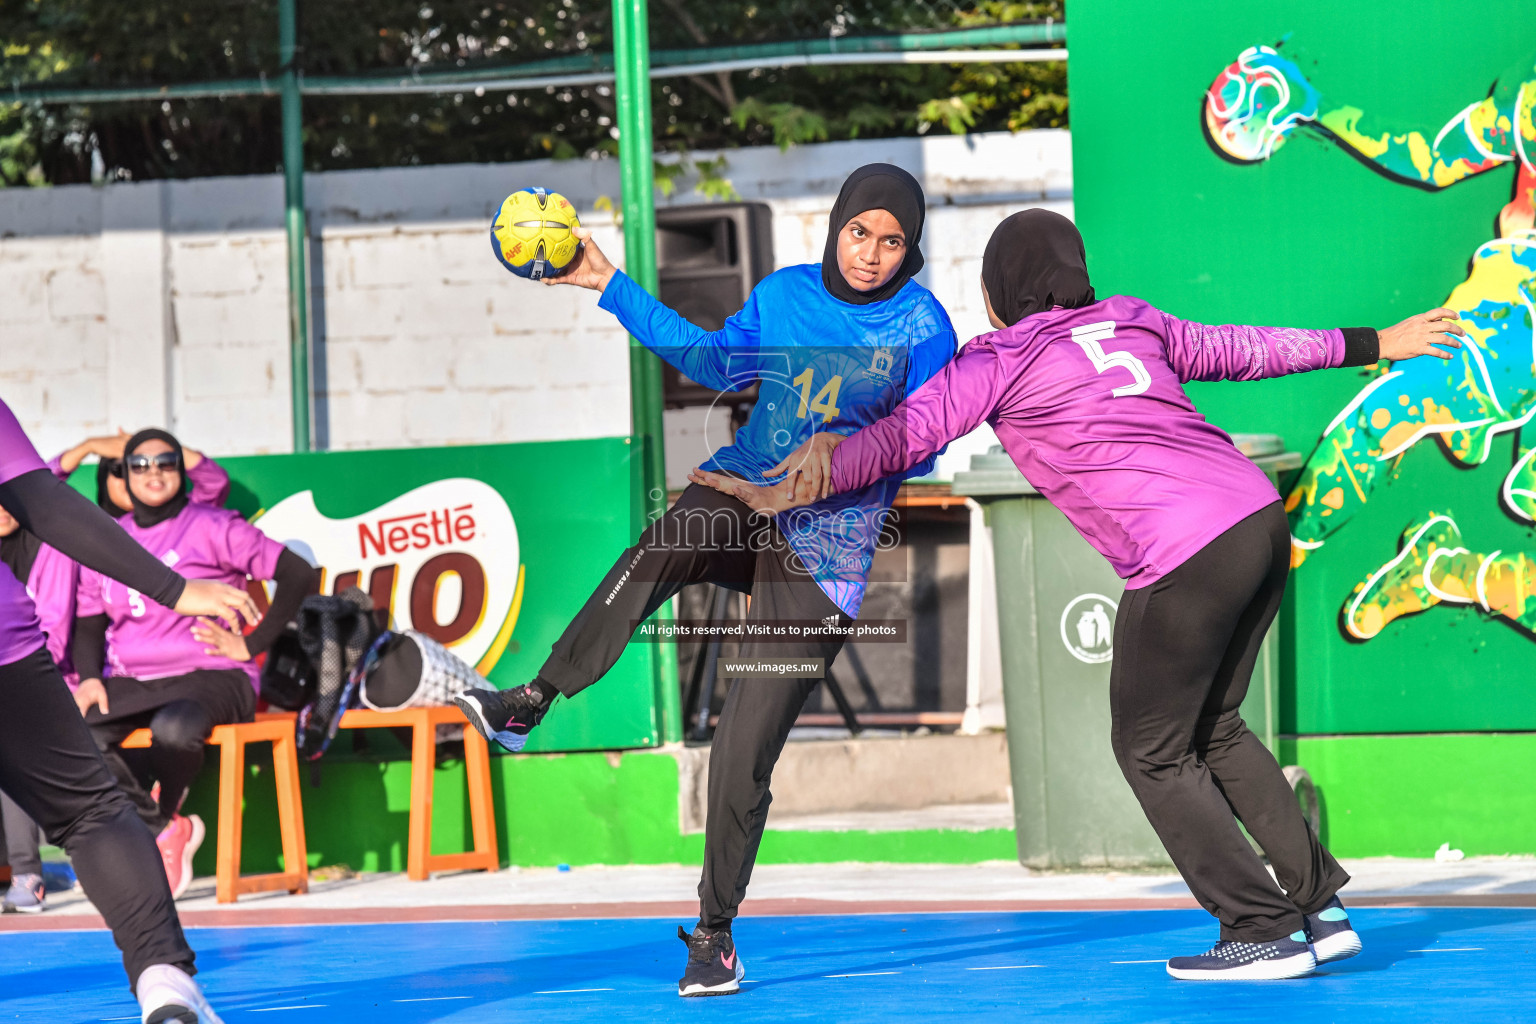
[(723, 989), (1260, 970), (1339, 946), (199, 833)]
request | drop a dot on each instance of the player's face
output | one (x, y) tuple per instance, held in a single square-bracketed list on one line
[(155, 484), (870, 249), (8, 523)]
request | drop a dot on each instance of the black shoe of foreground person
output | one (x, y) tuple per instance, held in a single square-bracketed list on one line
[(505, 716), (714, 969), (1289, 957), (1330, 935)]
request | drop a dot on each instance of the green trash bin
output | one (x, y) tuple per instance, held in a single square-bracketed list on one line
[(1056, 604)]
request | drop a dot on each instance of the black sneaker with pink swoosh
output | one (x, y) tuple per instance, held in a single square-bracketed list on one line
[(714, 969)]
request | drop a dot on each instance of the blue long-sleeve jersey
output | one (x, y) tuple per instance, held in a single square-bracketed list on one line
[(824, 365)]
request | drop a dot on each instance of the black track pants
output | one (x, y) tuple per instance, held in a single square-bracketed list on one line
[(709, 537), (1185, 648), (21, 839), (51, 768), (180, 713)]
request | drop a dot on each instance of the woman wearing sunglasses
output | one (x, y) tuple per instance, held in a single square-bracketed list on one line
[(210, 484), (53, 580), (178, 676)]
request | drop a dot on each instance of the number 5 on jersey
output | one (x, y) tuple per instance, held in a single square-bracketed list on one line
[(1090, 337)]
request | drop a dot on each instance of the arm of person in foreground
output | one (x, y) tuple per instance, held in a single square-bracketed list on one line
[(725, 359), (294, 579), (957, 400), (65, 519), (1240, 352)]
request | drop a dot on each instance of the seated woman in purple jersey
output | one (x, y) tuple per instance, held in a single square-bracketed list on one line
[(1087, 397), (178, 676), (48, 763)]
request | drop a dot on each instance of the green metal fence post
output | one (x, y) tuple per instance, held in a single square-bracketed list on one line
[(293, 220), (632, 67)]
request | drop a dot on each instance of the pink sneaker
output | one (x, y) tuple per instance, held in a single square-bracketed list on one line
[(179, 842)]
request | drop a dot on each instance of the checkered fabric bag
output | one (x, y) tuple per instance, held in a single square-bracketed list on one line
[(416, 671)]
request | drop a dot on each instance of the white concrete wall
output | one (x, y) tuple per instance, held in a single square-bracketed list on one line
[(166, 302)]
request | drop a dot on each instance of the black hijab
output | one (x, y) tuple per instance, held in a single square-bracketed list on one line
[(103, 471), (1035, 260), (151, 515), (875, 187)]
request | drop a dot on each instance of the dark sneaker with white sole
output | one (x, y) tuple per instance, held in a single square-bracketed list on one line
[(714, 969), (1289, 957), (504, 716), (1330, 935)]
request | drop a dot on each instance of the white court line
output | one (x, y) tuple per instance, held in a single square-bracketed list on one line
[(1461, 949), (432, 999), (1138, 961), (1013, 967), (569, 991), (868, 974), (306, 1006)]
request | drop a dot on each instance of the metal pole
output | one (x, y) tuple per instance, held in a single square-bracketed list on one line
[(632, 59), (293, 195)]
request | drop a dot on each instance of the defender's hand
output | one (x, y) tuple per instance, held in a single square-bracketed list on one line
[(767, 500), (221, 601), (810, 467), (1422, 335), (591, 269)]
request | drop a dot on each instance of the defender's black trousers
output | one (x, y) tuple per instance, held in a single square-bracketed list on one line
[(50, 766), (1185, 648), (710, 537)]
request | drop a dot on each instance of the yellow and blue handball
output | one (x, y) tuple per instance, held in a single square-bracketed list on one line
[(533, 233)]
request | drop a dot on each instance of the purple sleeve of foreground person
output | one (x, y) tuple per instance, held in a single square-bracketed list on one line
[(21, 632), (954, 402), (210, 483), (1239, 352)]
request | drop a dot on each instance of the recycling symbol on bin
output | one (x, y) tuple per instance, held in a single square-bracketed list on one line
[(1088, 627)]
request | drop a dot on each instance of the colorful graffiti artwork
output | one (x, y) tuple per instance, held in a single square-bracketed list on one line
[(1487, 389)]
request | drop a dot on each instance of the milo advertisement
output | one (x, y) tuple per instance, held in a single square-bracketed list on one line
[(488, 549)]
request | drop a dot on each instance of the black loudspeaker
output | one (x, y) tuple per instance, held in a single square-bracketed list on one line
[(708, 258)]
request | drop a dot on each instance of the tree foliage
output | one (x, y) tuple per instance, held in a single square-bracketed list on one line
[(137, 42)]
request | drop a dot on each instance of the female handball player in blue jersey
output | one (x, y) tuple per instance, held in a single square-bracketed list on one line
[(50, 765), (835, 346)]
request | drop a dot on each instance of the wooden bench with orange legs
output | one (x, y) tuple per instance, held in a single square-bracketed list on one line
[(423, 722), (231, 740)]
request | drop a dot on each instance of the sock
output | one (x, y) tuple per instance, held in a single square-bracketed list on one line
[(544, 690)]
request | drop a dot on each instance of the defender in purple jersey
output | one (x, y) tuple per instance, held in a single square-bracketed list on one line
[(1087, 397), (48, 762)]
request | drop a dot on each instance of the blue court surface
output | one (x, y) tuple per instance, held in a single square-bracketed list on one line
[(1440, 964)]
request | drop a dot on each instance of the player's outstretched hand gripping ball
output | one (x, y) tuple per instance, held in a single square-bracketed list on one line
[(532, 233)]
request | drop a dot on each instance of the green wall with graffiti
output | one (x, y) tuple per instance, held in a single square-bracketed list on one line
[(1315, 236)]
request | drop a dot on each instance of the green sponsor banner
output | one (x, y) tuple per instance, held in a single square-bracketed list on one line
[(489, 549), (1289, 163)]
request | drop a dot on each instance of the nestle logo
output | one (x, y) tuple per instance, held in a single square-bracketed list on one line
[(418, 530)]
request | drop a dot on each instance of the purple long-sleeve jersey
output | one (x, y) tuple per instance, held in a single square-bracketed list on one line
[(1090, 405), (147, 641), (20, 631)]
